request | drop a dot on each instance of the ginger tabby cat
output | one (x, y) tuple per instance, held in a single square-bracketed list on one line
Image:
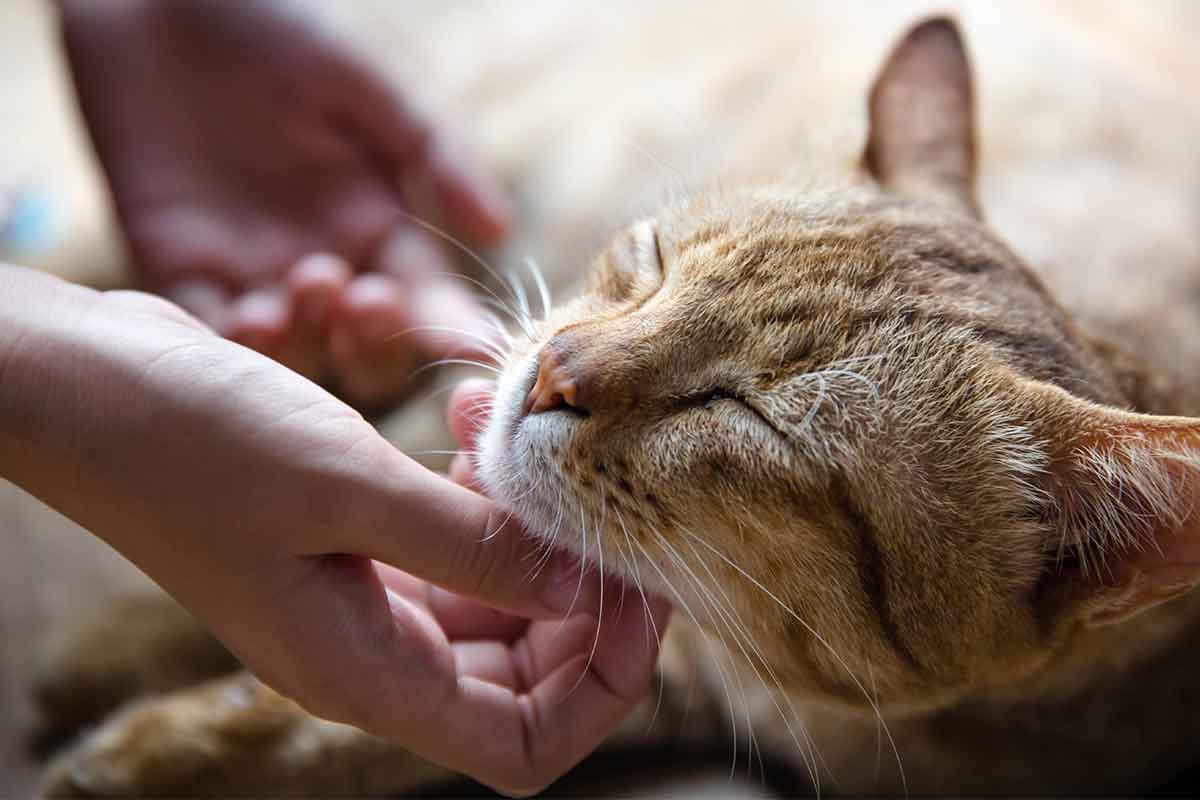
[(901, 496)]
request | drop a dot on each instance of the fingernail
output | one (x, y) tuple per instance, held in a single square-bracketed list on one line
[(571, 589)]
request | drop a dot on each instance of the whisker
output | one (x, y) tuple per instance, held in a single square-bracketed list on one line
[(808, 751), (651, 627), (518, 291), (721, 673), (460, 361), (493, 349), (543, 289), (493, 299), (824, 643), (468, 252), (720, 624), (600, 614)]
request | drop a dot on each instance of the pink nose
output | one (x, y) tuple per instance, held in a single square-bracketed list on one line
[(555, 386)]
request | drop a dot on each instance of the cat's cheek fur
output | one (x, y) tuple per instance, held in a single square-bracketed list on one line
[(495, 458)]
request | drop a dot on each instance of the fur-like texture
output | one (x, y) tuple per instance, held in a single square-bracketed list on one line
[(903, 497)]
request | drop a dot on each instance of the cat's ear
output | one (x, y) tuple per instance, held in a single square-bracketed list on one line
[(1124, 492), (922, 119)]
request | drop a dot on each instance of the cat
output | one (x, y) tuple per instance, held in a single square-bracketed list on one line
[(928, 516)]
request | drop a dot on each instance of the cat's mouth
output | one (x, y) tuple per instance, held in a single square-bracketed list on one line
[(521, 461)]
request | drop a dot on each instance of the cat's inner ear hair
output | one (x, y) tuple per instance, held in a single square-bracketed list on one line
[(1127, 529), (633, 263), (921, 141)]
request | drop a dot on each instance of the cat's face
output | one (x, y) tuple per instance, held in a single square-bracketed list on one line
[(761, 387), (827, 423)]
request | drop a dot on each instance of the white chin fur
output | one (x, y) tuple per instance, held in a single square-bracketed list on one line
[(508, 473)]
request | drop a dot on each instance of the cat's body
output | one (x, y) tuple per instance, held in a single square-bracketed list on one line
[(1087, 170)]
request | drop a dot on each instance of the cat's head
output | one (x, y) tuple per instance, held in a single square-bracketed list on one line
[(845, 427)]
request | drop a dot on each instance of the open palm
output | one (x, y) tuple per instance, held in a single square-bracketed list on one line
[(260, 171)]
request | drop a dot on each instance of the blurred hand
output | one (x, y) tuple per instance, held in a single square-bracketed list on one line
[(258, 168)]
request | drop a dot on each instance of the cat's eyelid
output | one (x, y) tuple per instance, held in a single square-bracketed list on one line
[(707, 398)]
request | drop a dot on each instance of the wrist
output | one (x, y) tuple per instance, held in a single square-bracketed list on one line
[(37, 316)]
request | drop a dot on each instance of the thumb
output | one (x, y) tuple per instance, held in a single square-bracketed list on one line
[(399, 513)]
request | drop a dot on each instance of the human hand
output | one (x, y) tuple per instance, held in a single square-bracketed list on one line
[(265, 506), (259, 168)]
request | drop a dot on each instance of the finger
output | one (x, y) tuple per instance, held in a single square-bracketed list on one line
[(405, 136), (486, 661), (390, 126), (206, 300), (326, 632), (446, 319), (397, 512), (520, 743), (315, 285), (469, 409), (548, 644), (460, 617), (464, 618), (259, 320), (467, 414), (463, 472), (374, 311), (370, 356), (470, 202)]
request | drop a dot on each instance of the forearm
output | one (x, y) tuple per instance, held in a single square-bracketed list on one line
[(77, 427), (38, 317)]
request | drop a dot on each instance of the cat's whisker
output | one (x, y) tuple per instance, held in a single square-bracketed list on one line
[(632, 143), (878, 731), (452, 240), (824, 643), (809, 751), (427, 397), (600, 615), (648, 617), (632, 567), (846, 373), (494, 300), (466, 362), (518, 291), (720, 623), (682, 603), (521, 321), (488, 537), (816, 405), (503, 331), (582, 568), (494, 349), (552, 539), (543, 289)]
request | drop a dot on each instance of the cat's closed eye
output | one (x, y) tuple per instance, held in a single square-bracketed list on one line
[(721, 398), (715, 396)]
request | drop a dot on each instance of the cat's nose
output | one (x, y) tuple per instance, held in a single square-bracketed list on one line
[(555, 387)]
